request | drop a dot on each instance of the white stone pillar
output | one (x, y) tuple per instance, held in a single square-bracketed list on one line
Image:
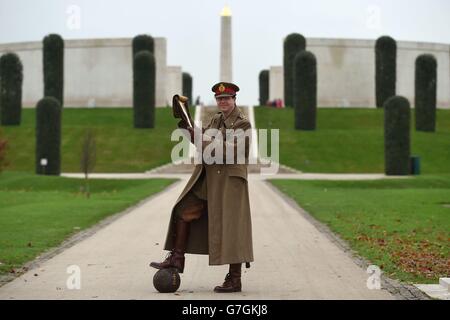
[(174, 83), (226, 62), (161, 72), (276, 83)]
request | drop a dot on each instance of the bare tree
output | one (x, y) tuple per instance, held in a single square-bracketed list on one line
[(88, 157)]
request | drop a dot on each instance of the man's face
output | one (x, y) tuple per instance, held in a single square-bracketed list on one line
[(225, 104)]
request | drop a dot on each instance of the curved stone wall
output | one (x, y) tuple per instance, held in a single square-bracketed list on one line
[(98, 72), (346, 71)]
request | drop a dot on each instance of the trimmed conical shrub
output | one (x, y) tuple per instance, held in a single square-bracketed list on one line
[(48, 136), (53, 55), (263, 87), (143, 42), (385, 69), (187, 87), (397, 136), (293, 44), (305, 91), (11, 78), (425, 93), (144, 90)]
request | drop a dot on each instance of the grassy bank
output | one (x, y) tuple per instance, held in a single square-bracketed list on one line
[(351, 141), (120, 147)]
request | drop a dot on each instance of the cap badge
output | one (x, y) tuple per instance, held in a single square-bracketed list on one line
[(221, 88)]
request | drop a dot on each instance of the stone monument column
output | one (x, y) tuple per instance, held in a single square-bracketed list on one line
[(226, 62)]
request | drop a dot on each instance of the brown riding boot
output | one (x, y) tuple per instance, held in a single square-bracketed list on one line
[(175, 257), (232, 280)]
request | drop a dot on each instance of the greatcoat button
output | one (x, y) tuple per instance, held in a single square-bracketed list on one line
[(218, 171)]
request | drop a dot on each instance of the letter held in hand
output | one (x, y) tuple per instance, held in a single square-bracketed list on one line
[(181, 110)]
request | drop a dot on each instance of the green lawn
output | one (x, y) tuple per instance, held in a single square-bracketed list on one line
[(350, 140), (120, 147), (39, 212), (401, 225)]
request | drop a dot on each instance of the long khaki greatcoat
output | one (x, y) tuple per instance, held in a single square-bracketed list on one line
[(225, 232)]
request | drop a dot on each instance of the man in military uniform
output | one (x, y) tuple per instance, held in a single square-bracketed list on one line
[(212, 214)]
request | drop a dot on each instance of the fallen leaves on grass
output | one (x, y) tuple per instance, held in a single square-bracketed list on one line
[(422, 258)]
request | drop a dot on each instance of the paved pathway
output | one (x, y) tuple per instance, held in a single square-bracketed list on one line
[(293, 259)]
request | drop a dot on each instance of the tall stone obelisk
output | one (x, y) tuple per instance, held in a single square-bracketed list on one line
[(226, 59)]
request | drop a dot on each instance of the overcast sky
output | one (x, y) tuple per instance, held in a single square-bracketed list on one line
[(192, 28)]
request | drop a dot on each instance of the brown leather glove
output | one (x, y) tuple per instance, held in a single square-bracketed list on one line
[(183, 125)]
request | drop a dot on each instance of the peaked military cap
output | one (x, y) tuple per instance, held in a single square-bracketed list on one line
[(225, 89)]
